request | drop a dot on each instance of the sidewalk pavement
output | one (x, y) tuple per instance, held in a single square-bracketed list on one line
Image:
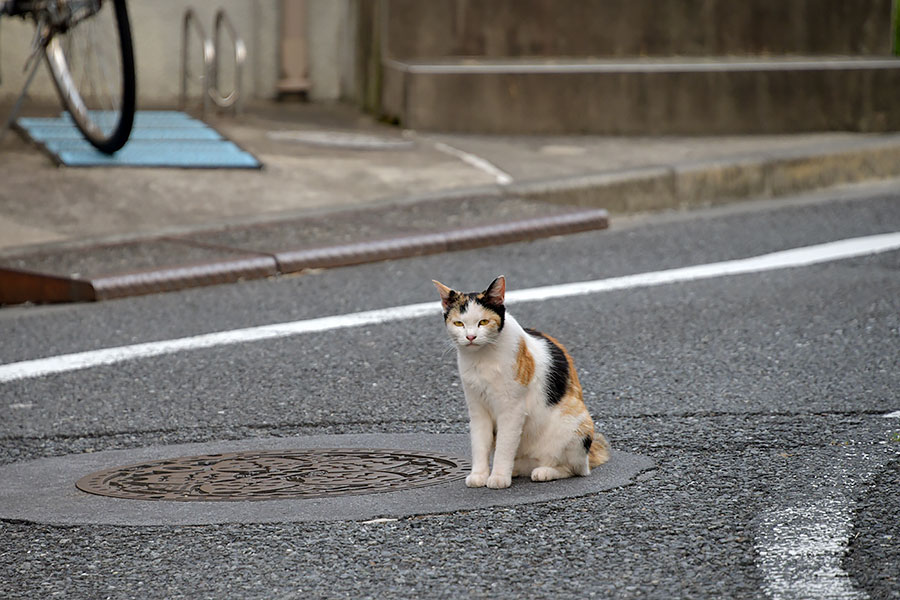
[(339, 188)]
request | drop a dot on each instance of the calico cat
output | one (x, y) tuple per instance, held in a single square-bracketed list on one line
[(525, 402)]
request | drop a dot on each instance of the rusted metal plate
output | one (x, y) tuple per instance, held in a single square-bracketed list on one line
[(291, 261), (167, 279), (17, 286), (124, 269), (275, 474)]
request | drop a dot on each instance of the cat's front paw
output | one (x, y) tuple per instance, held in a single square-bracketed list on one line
[(476, 479), (498, 482), (545, 474)]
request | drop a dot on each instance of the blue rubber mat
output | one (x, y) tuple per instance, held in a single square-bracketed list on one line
[(159, 139)]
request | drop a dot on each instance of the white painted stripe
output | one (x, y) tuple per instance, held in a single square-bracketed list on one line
[(108, 356), (799, 550), (502, 177), (892, 415), (380, 520), (798, 257)]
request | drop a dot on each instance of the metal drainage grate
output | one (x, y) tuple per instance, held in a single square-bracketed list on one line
[(276, 474)]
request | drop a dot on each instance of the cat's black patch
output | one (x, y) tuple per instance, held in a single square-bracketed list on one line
[(451, 301), (558, 375), (586, 441), (497, 308), (470, 297)]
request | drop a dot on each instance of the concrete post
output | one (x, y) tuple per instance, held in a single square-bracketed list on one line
[(294, 62)]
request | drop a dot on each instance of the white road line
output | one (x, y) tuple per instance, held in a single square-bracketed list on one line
[(798, 257), (800, 545), (892, 415), (501, 177), (108, 356), (799, 551)]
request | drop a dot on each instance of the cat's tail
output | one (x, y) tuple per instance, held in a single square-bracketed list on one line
[(599, 452)]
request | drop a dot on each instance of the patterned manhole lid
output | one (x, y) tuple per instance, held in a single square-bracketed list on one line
[(275, 474)]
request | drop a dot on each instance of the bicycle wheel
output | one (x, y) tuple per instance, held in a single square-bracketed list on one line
[(92, 63)]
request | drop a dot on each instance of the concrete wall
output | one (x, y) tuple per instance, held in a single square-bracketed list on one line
[(621, 28), (156, 27), (737, 71)]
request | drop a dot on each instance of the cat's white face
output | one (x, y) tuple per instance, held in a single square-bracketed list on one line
[(472, 325), (474, 320)]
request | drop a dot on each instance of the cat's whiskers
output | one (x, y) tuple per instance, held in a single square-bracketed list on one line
[(449, 346), (489, 341)]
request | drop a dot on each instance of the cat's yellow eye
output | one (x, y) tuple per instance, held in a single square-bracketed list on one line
[(483, 322), (458, 323)]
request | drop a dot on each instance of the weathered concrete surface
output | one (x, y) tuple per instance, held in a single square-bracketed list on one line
[(645, 96), (504, 28), (638, 68), (43, 204), (81, 224)]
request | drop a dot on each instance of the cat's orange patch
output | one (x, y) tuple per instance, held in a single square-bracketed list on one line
[(453, 314), (586, 427), (572, 404), (524, 364), (599, 453), (493, 320)]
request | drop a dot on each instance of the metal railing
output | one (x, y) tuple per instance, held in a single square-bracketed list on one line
[(233, 99), (209, 79)]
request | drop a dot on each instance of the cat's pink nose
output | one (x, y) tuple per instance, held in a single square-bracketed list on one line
[(470, 338)]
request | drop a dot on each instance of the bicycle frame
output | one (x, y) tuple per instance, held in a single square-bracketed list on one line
[(55, 22), (58, 15)]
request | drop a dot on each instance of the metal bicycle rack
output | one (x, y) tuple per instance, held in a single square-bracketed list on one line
[(210, 52)]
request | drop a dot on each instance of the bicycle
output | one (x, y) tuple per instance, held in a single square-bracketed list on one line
[(94, 75)]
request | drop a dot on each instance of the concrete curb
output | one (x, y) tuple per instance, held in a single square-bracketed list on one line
[(572, 204), (708, 183)]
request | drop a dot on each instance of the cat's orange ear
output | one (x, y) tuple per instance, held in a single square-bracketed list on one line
[(446, 293), (496, 292)]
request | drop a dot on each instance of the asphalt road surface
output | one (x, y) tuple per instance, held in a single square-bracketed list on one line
[(769, 401)]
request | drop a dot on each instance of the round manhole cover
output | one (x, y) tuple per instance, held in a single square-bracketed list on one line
[(276, 474), (281, 480)]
